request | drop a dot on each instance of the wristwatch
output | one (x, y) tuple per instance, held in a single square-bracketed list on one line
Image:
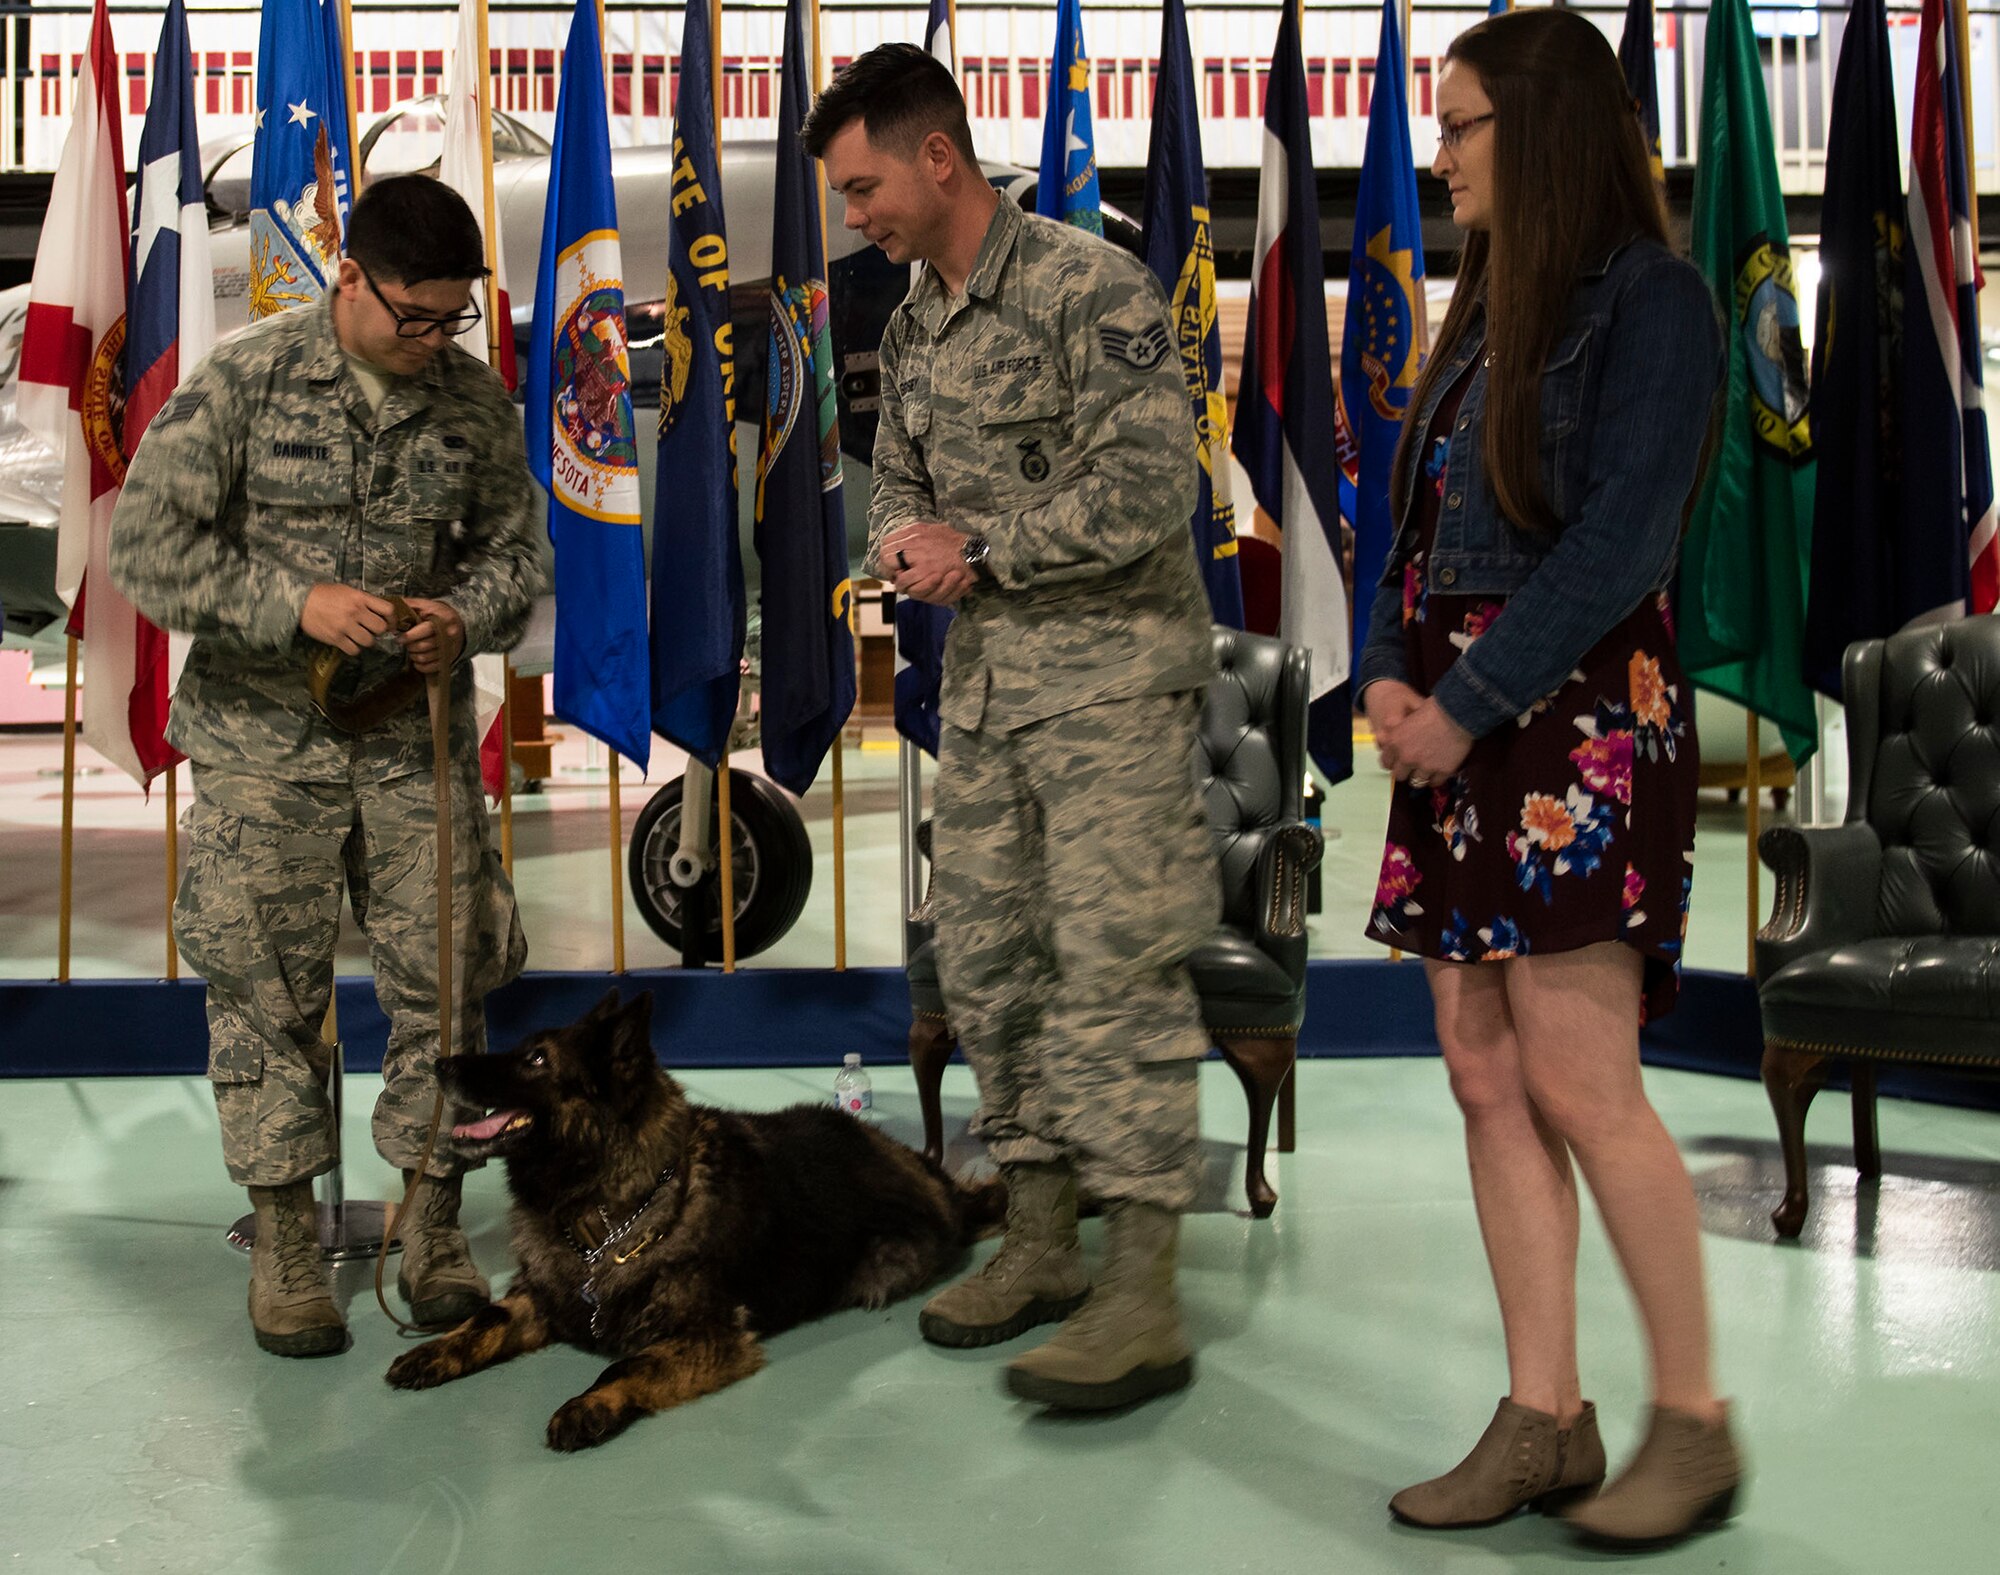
[(974, 552)]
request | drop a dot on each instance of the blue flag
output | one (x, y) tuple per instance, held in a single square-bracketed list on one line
[(1067, 189), (698, 598), (1868, 573), (920, 627), (1381, 348), (339, 61), (298, 168), (1642, 81), (1181, 252), (807, 596), (1284, 407), (582, 439)]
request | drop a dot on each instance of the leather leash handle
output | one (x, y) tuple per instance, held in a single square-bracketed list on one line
[(437, 688)]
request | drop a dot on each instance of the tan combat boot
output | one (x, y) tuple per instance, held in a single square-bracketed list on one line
[(1521, 1458), (1037, 1276), (438, 1277), (1126, 1345), (292, 1311), (1685, 1478)]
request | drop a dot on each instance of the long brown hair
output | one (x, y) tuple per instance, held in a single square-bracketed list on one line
[(1572, 178)]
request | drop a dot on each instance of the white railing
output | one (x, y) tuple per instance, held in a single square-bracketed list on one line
[(401, 53)]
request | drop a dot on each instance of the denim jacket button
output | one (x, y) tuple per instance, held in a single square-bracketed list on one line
[(1454, 500), (1447, 576), (1464, 422)]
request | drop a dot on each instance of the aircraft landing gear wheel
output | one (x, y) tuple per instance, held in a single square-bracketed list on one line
[(772, 865)]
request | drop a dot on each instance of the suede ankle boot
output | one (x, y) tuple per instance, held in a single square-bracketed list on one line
[(1685, 1478), (1523, 1457)]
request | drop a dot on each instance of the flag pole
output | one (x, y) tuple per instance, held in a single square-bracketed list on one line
[(725, 818), (507, 766), (353, 97), (68, 815), (1753, 784), (173, 868), (1963, 27), (840, 738), (493, 327), (617, 868)]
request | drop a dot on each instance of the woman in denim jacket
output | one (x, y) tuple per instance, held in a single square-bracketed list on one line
[(1521, 680)]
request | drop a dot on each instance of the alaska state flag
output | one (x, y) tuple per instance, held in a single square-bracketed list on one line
[(1067, 189), (1947, 468), (1181, 252), (1873, 570), (1381, 348), (582, 440), (698, 597), (298, 170), (1284, 406), (807, 596)]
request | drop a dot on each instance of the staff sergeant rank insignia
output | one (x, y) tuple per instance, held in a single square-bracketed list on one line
[(1143, 351)]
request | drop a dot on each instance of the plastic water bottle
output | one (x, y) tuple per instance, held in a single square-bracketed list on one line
[(852, 1091)]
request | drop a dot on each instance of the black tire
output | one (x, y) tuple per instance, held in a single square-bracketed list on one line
[(772, 864)]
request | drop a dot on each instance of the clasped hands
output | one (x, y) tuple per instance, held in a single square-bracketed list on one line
[(1417, 742), (925, 560), (351, 620)]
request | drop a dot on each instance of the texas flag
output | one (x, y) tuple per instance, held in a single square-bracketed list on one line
[(1284, 412), (468, 170), (72, 395)]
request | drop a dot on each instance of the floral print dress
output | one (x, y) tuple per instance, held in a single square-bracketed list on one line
[(1572, 825)]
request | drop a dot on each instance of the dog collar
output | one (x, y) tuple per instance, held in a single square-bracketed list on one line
[(593, 1232)]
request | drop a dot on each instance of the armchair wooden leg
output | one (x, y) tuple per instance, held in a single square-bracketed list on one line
[(931, 1041), (1791, 1078), (1867, 1145), (1260, 1066), (1288, 1105)]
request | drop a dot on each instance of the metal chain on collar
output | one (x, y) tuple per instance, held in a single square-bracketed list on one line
[(613, 1234)]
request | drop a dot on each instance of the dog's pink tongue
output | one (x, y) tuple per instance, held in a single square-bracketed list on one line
[(489, 1128)]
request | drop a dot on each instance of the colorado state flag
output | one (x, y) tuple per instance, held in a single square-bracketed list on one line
[(582, 439)]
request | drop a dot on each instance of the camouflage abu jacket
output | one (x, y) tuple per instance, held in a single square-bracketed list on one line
[(1046, 411), (265, 474)]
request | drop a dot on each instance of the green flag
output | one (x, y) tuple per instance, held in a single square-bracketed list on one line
[(1748, 546)]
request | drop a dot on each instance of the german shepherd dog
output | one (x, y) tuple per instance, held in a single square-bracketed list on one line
[(672, 1236)]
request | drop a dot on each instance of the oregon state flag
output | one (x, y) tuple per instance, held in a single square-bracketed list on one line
[(1381, 348), (807, 595), (1067, 188), (1181, 252), (698, 596), (298, 168), (582, 439)]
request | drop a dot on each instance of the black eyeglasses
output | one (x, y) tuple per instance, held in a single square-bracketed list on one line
[(415, 325), (1452, 134)]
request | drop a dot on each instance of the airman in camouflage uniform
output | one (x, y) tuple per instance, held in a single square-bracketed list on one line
[(1035, 424), (286, 463)]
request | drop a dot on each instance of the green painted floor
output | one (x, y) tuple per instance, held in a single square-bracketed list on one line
[(1347, 1346)]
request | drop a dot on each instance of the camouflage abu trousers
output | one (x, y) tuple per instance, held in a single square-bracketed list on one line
[(258, 914), (1075, 871)]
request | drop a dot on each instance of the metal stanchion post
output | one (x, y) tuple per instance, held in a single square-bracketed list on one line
[(909, 810), (349, 1232)]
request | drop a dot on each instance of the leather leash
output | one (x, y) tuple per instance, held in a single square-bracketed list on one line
[(437, 689)]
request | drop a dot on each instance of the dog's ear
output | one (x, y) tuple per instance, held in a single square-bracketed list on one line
[(630, 1040), (606, 1007)]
